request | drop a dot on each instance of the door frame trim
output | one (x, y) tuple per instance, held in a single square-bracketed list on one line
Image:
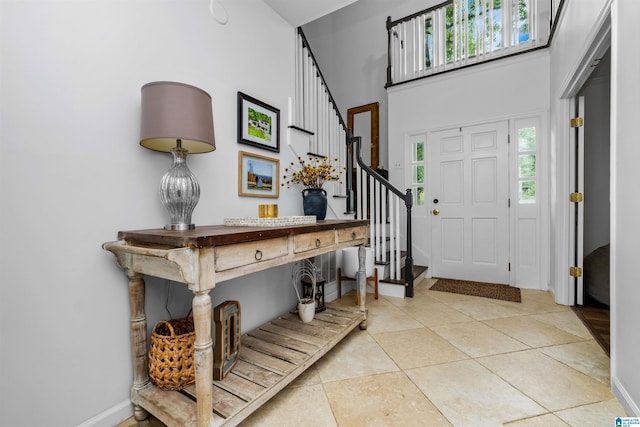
[(600, 41)]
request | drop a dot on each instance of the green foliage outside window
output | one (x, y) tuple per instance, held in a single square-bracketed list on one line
[(419, 196), (527, 139), (418, 152), (527, 165), (522, 22), (485, 17), (467, 14), (527, 192), (417, 172)]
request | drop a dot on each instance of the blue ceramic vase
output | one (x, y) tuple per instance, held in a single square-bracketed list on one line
[(314, 202)]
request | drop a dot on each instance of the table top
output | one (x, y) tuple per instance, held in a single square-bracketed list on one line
[(214, 235)]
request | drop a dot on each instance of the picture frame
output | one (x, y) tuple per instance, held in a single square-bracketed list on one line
[(258, 176), (258, 123)]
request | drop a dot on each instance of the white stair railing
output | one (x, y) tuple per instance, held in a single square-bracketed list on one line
[(458, 33), (315, 113), (381, 207)]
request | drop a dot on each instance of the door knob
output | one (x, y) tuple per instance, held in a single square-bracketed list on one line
[(436, 211)]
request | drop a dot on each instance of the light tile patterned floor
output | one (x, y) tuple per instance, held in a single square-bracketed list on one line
[(442, 359)]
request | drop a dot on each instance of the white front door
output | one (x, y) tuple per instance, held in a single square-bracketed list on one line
[(469, 202)]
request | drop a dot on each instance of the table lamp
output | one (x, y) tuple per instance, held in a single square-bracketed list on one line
[(177, 118)]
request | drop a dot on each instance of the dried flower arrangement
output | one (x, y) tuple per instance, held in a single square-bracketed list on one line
[(312, 173)]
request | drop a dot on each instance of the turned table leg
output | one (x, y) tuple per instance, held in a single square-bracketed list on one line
[(203, 356), (138, 338), (361, 286)]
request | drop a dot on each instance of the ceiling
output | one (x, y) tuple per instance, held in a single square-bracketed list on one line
[(300, 12)]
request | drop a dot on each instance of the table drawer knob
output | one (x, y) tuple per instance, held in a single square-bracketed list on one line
[(258, 255), (318, 243), (353, 235)]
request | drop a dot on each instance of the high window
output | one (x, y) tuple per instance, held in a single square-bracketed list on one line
[(458, 33)]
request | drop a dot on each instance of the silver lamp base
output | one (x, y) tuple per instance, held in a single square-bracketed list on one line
[(179, 192), (179, 227)]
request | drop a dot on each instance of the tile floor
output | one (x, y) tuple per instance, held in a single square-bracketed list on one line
[(442, 359)]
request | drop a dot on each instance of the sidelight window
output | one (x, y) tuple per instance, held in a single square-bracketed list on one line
[(417, 172), (527, 171)]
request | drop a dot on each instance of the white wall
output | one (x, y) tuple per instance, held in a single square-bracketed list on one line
[(625, 234), (576, 36), (498, 90), (72, 174), (578, 28), (350, 46)]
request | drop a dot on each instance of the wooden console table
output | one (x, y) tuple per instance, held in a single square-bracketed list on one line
[(203, 257)]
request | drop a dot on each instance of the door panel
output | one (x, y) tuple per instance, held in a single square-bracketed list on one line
[(469, 207), (453, 244), (452, 182), (485, 236), (484, 181)]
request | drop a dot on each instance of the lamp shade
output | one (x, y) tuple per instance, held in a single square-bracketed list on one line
[(176, 111)]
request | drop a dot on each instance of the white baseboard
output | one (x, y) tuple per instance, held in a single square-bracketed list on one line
[(112, 416), (631, 407)]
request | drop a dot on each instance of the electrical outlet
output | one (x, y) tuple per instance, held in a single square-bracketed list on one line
[(398, 165)]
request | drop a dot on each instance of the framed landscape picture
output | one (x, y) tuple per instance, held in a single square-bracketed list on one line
[(258, 123), (258, 175)]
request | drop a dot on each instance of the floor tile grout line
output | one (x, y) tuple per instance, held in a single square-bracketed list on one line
[(579, 339), (427, 397), (514, 386), (533, 311)]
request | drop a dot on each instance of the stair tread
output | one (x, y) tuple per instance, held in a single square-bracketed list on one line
[(417, 271)]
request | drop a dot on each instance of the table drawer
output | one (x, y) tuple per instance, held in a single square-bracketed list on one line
[(308, 242), (355, 233), (237, 255)]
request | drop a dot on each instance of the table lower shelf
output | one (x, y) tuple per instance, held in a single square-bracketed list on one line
[(271, 356)]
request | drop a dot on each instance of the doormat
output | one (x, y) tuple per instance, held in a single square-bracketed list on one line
[(478, 289)]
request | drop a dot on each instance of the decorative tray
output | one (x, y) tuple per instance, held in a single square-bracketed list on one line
[(283, 221)]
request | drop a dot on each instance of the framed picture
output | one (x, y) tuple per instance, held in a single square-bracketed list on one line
[(258, 175), (258, 123)]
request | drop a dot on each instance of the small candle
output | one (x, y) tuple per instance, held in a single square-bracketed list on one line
[(268, 211)]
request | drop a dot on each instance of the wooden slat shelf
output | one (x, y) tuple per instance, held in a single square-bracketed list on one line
[(271, 356)]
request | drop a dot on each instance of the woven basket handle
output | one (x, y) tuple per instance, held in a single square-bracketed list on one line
[(173, 333)]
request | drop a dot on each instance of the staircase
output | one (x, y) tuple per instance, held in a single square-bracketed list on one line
[(366, 194)]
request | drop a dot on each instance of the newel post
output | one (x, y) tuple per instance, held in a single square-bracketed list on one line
[(349, 175), (408, 264)]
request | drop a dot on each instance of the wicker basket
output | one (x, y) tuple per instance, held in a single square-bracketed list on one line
[(171, 365)]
